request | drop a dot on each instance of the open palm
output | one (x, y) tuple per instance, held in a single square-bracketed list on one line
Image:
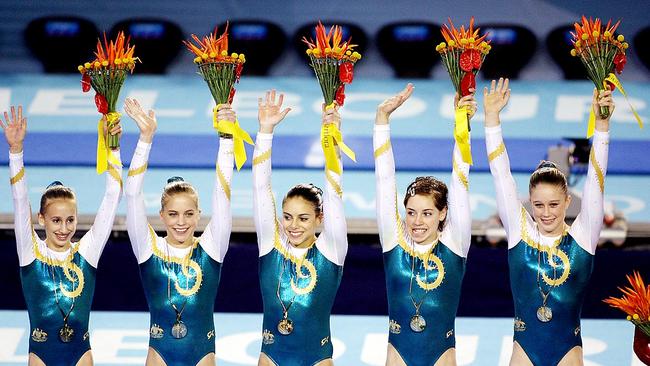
[(14, 127), (146, 121), (270, 112)]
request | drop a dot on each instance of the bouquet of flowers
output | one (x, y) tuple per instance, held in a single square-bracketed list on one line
[(462, 53), (602, 52), (221, 71), (106, 75), (636, 304), (333, 62)]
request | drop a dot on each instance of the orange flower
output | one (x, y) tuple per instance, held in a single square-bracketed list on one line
[(212, 48), (329, 44), (462, 38), (116, 50), (636, 299), (591, 31)]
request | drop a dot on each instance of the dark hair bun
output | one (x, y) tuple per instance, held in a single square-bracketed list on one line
[(56, 183), (175, 179), (546, 164)]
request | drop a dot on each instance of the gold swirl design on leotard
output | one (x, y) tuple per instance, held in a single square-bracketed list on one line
[(552, 251), (437, 264), (461, 175), (16, 178), (382, 149), (497, 152), (223, 182), (598, 170), (71, 271), (186, 263)]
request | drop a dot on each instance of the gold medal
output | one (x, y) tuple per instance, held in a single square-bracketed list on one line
[(66, 333), (285, 326), (418, 323)]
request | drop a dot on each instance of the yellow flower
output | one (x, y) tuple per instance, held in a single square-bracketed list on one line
[(452, 43), (81, 68), (356, 55), (224, 53), (585, 36), (625, 45), (87, 65), (472, 40), (316, 51), (438, 48), (578, 43), (309, 51), (241, 56), (635, 316), (204, 56), (213, 54), (328, 51), (628, 317), (573, 52), (348, 53), (595, 34), (97, 64), (463, 41), (607, 34), (197, 59), (125, 60), (234, 55), (118, 62), (104, 63), (620, 38)]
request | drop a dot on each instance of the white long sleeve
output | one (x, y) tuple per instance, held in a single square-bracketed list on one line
[(586, 227), (333, 240), (136, 213), (508, 204), (457, 233), (216, 237), (264, 210), (93, 242), (390, 223), (22, 211)]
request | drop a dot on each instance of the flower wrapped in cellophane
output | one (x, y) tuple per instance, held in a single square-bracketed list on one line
[(602, 52), (221, 71), (636, 304), (463, 52), (106, 75), (333, 62)]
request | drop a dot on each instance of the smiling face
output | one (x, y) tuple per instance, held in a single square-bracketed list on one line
[(181, 215), (59, 218), (550, 203), (299, 221), (423, 218)]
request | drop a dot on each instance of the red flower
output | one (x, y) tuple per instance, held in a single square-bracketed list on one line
[(240, 67), (346, 72), (101, 103), (340, 95), (619, 62), (85, 82), (470, 59), (232, 95), (468, 82)]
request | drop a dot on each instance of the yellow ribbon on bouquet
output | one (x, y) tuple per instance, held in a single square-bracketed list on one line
[(104, 153), (239, 136), (591, 125), (461, 134), (330, 136)]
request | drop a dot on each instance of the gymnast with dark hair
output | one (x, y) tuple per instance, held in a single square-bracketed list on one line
[(57, 274), (300, 272), (550, 262), (180, 273), (425, 254)]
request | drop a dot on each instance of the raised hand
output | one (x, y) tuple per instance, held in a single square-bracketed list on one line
[(468, 101), (331, 115), (14, 128), (226, 113), (389, 105), (146, 121), (270, 112), (602, 98), (495, 100)]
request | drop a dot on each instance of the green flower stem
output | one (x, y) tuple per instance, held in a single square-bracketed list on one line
[(327, 74)]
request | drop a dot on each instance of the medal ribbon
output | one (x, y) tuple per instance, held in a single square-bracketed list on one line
[(239, 136), (591, 125), (330, 136), (104, 154), (461, 134)]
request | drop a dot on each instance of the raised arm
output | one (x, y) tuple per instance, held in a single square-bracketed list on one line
[(136, 213), (587, 226), (508, 204), (270, 115), (216, 237), (389, 221), (457, 233), (333, 240), (93, 242), (15, 128)]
